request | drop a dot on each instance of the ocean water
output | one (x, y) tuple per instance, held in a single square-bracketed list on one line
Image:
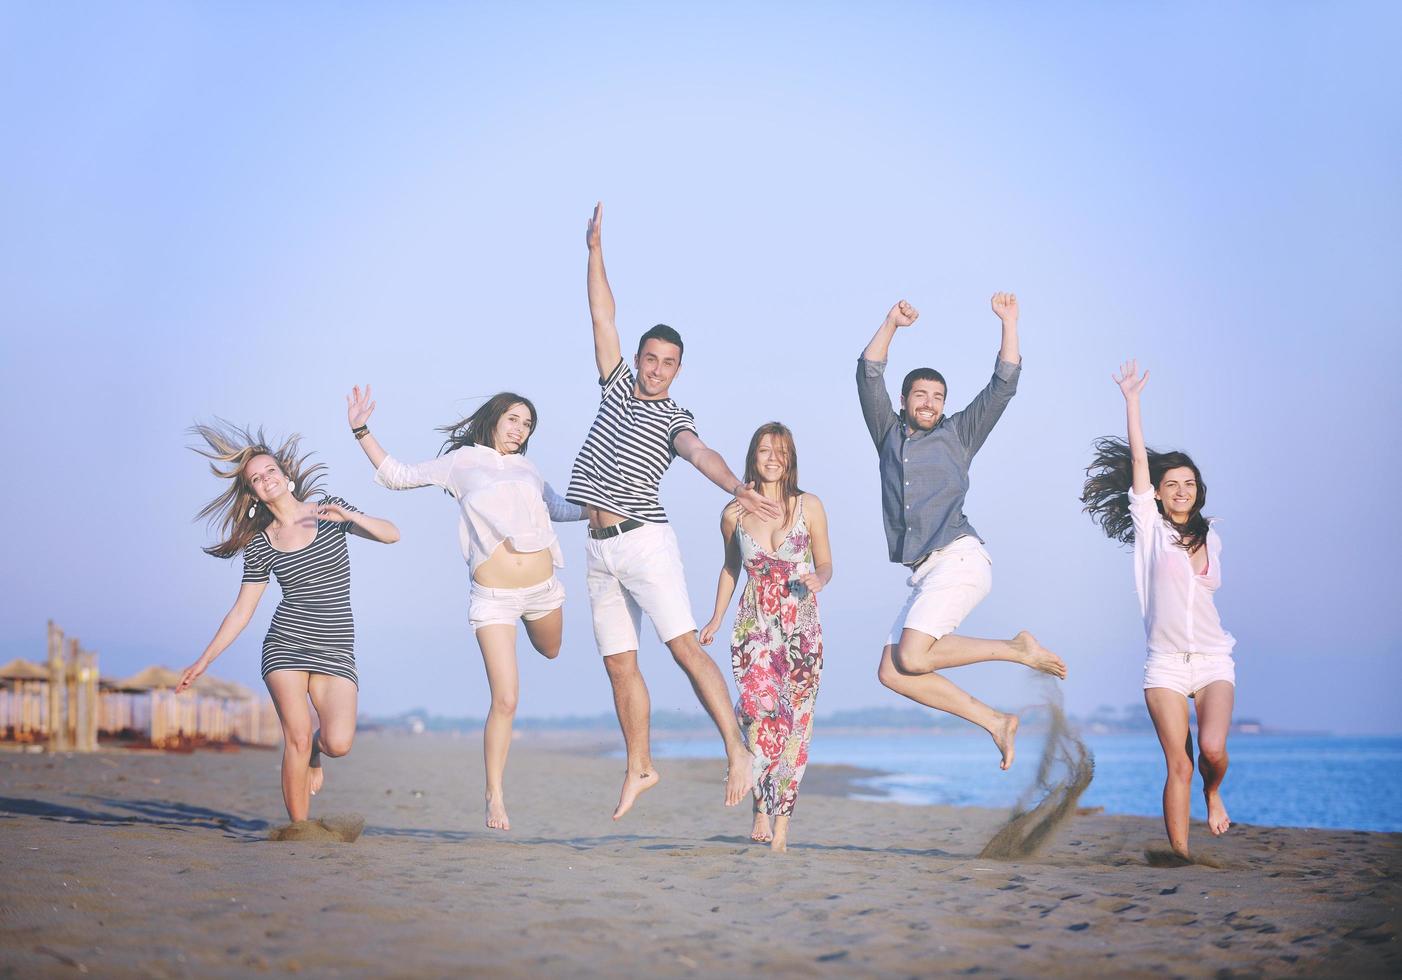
[(1279, 780)]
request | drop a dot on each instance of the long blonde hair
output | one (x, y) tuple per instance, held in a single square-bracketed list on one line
[(228, 449)]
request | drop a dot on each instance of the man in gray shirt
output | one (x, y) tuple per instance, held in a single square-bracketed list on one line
[(925, 457)]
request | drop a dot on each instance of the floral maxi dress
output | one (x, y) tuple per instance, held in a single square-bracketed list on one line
[(776, 654)]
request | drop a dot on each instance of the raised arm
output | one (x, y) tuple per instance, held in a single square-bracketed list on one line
[(1005, 305), (359, 408), (234, 622), (710, 464), (977, 419), (361, 525), (817, 520), (390, 472), (729, 572), (871, 373), (601, 308), (900, 315), (1130, 387)]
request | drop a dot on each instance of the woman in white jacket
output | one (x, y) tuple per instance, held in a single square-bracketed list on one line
[(1154, 501), (505, 510)]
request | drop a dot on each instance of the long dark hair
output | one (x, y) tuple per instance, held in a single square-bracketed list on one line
[(477, 428), (1111, 474), (789, 485), (228, 449)]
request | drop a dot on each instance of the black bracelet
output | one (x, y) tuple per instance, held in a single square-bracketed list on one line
[(360, 431)]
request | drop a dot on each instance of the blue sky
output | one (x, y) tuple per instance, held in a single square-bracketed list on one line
[(244, 209)]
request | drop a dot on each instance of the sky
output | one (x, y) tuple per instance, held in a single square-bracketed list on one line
[(241, 210)]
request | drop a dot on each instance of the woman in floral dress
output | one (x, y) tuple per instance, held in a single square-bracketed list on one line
[(777, 649)]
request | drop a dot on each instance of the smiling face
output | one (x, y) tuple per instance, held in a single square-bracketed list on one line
[(771, 458), (924, 404), (265, 478), (656, 365), (1178, 492), (512, 429)]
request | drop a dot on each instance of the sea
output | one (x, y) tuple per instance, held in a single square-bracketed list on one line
[(1326, 781)]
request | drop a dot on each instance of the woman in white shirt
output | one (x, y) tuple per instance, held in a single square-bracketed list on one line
[(505, 509), (1154, 501)]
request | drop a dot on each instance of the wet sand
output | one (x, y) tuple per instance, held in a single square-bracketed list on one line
[(120, 864)]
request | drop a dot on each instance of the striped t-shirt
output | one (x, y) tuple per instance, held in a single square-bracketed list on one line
[(629, 447), (312, 628)]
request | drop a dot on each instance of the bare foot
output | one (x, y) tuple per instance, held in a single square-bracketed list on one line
[(780, 843), (740, 776), (496, 813), (1003, 735), (761, 834), (635, 784), (1217, 819), (1038, 657)]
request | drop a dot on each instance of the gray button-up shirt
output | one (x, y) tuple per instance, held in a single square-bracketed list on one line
[(925, 475)]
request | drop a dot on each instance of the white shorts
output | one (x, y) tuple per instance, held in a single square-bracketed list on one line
[(496, 607), (636, 572), (1188, 673), (944, 589)]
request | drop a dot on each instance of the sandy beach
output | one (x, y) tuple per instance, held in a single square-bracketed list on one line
[(121, 864)]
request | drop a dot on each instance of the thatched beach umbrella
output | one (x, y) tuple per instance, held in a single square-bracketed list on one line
[(23, 670)]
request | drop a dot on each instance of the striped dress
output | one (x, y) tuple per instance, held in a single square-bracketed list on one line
[(312, 629), (628, 449)]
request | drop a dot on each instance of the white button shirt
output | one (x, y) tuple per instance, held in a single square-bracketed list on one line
[(500, 498), (1176, 602)]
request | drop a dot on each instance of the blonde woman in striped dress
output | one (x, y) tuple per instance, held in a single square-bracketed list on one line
[(309, 651)]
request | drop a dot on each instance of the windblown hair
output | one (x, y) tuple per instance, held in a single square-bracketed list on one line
[(664, 333), (789, 484), (228, 449), (477, 428), (1109, 478), (922, 374)]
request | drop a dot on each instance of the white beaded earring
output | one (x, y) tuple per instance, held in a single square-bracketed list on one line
[(291, 486), (253, 510)]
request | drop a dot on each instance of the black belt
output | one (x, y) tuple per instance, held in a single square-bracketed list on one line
[(614, 530)]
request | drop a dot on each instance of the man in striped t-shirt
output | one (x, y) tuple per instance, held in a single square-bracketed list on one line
[(634, 564)]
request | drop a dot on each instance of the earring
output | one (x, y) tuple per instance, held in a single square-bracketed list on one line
[(291, 486), (252, 510)]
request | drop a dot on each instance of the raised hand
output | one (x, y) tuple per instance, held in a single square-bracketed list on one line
[(593, 235), (359, 407), (1130, 386), (1005, 305), (190, 675), (332, 512), (902, 314)]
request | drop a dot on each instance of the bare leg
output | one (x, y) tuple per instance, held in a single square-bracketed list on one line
[(934, 691), (334, 699), (921, 653), (634, 707), (780, 842), (289, 692), (1169, 711), (709, 685), (545, 632), (1214, 708), (498, 643)]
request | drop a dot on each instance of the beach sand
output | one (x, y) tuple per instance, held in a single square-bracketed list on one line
[(123, 864)]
